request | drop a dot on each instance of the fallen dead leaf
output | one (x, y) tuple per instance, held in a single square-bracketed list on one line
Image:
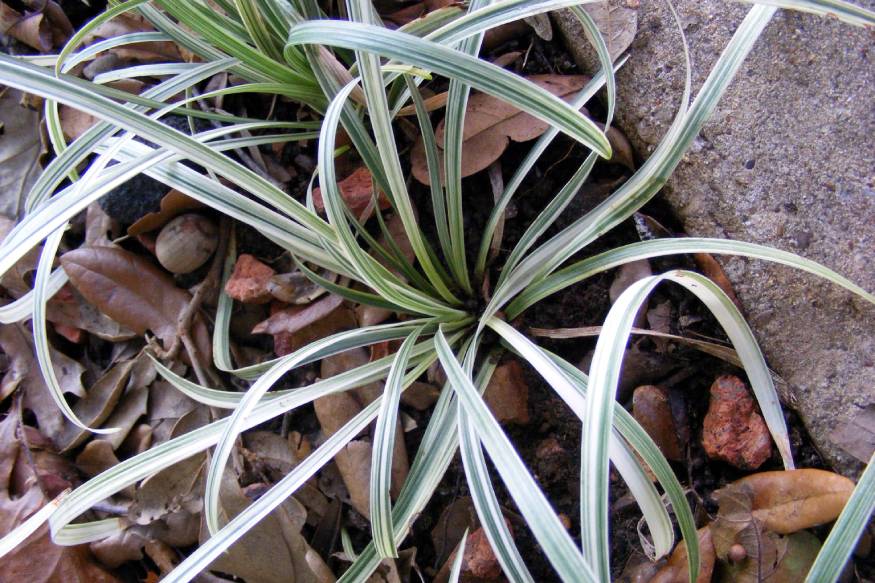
[(340, 319), (173, 204), (24, 374), (134, 292), (37, 558), (617, 22), (129, 23), (275, 552), (295, 318), (296, 288), (94, 409), (75, 122), (491, 123), (334, 411), (132, 406), (174, 489), (651, 408), (712, 269), (788, 501), (857, 436), (69, 308), (676, 569), (30, 29), (20, 151)]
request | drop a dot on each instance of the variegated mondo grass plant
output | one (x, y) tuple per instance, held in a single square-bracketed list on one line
[(289, 48)]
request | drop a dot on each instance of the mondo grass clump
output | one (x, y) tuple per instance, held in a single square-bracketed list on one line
[(356, 75)]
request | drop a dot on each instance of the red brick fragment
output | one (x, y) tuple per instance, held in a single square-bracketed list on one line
[(248, 282), (734, 431), (356, 190)]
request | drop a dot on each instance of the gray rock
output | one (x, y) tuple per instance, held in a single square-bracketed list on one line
[(787, 160)]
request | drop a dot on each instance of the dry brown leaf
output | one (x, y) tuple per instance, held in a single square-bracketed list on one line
[(857, 436), (69, 308), (37, 558), (174, 203), (491, 123), (676, 570), (334, 411), (96, 457), (20, 151), (31, 29), (296, 288), (295, 318), (712, 269), (75, 122), (418, 10), (788, 501), (94, 409), (131, 407), (174, 489), (274, 552), (126, 24), (340, 319), (540, 23), (132, 291), (167, 405), (617, 22), (23, 372)]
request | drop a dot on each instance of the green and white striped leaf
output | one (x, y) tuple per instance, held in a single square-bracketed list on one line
[(383, 448), (551, 535), (843, 537)]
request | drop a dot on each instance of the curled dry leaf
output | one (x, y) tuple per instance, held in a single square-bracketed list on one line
[(32, 29), (128, 23), (676, 570), (788, 501), (410, 13), (342, 318), (173, 204), (291, 320), (24, 374), (491, 123), (75, 122), (132, 406), (296, 288), (857, 436), (651, 408), (134, 292)]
